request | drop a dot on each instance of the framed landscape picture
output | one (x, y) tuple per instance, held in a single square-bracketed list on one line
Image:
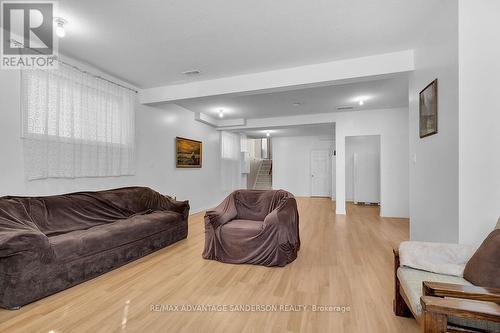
[(188, 153), (428, 110)]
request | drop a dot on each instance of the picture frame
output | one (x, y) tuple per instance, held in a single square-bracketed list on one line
[(428, 110), (188, 153)]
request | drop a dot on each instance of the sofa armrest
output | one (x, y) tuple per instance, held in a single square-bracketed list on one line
[(440, 289), (181, 207), (399, 304), (21, 248), (395, 252), (16, 241), (436, 306)]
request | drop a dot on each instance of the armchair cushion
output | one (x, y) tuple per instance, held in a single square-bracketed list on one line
[(441, 258), (483, 269)]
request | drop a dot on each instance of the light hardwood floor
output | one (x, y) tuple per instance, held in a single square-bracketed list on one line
[(344, 261)]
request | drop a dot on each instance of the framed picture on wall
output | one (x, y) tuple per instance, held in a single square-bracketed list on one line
[(429, 110), (188, 153)]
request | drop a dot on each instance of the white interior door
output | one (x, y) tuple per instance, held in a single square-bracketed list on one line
[(366, 174), (320, 173)]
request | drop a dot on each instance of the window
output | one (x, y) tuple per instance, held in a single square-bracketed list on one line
[(230, 161), (264, 148), (230, 146), (75, 125)]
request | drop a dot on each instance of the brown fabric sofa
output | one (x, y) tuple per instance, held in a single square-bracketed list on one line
[(48, 244), (253, 227)]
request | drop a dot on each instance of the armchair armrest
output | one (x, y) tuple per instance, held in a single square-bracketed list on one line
[(432, 306), (221, 214), (440, 289)]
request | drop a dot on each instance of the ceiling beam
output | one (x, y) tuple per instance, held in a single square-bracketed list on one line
[(301, 76), (219, 123)]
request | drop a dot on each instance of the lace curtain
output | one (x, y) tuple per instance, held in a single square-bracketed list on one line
[(75, 125)]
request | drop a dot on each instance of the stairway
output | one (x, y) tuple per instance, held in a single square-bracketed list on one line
[(264, 180)]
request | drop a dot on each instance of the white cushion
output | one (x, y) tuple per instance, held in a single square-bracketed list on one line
[(441, 258)]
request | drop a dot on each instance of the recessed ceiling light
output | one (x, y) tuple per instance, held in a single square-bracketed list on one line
[(192, 72), (361, 102), (297, 104), (60, 26), (221, 113), (268, 134)]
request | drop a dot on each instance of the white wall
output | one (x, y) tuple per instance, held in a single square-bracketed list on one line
[(369, 144), (434, 176), (156, 129), (479, 119), (392, 126), (292, 162)]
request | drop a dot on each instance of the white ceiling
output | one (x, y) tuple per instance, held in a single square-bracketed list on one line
[(378, 94), (322, 130), (149, 43)]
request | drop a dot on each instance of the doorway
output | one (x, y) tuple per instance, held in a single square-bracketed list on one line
[(363, 169), (320, 173)]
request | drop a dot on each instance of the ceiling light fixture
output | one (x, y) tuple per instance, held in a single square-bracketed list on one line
[(361, 102), (297, 104), (60, 26), (268, 134), (221, 113)]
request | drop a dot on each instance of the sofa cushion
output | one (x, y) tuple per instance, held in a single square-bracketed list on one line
[(483, 269), (411, 281), (76, 244)]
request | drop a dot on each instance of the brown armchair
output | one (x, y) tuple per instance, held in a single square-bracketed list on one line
[(253, 227)]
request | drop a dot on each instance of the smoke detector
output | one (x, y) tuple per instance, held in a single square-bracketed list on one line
[(192, 72), (345, 107)]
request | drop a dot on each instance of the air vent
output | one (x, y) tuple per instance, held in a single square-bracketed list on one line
[(192, 72), (345, 107)]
